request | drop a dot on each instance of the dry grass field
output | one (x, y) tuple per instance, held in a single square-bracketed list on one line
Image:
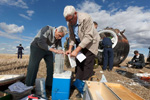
[(9, 64)]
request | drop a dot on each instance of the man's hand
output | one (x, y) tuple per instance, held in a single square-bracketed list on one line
[(56, 51), (59, 52), (74, 53), (68, 52)]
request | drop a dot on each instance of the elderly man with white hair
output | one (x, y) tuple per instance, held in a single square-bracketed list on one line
[(86, 38), (44, 43)]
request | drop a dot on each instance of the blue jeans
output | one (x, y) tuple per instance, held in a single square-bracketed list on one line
[(108, 57)]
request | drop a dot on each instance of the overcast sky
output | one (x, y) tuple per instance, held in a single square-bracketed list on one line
[(20, 20)]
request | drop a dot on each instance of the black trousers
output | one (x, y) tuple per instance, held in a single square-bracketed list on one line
[(36, 55), (84, 70), (19, 55)]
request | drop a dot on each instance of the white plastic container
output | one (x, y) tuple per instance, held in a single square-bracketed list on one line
[(40, 87), (72, 61), (59, 63)]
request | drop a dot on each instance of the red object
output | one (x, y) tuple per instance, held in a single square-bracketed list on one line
[(145, 78), (33, 97)]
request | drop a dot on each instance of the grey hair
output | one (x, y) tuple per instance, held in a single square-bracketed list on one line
[(62, 29), (69, 10)]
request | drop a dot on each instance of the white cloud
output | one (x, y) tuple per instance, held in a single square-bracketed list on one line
[(10, 48), (34, 1), (11, 28), (2, 49), (103, 1), (24, 16), (5, 48), (27, 50), (8, 31), (12, 36), (17, 3), (26, 37), (19, 42), (21, 4), (111, 5), (30, 12), (135, 20), (88, 7), (27, 47)]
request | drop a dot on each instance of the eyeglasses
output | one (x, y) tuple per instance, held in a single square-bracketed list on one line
[(70, 19), (60, 35)]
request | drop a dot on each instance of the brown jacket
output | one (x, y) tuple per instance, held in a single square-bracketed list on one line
[(88, 35)]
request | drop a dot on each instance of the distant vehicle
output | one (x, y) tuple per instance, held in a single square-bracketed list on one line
[(120, 46)]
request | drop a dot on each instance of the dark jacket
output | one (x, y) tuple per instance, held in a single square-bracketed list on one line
[(140, 59), (45, 39), (20, 48), (107, 42)]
